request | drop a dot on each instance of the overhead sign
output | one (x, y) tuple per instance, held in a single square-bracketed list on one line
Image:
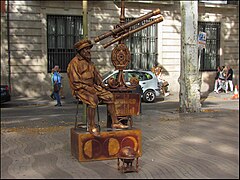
[(202, 37)]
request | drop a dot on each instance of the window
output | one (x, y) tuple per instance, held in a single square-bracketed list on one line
[(62, 33), (142, 76), (210, 57), (143, 46)]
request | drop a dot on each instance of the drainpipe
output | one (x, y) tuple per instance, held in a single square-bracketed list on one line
[(85, 35), (9, 58), (85, 19)]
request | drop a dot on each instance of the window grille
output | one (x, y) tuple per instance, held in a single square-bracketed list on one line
[(142, 46), (210, 56), (62, 33)]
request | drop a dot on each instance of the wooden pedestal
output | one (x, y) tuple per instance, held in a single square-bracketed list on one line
[(86, 147)]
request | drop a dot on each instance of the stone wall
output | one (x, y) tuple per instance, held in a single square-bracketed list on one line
[(28, 43)]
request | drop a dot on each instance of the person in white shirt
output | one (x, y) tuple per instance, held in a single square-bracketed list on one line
[(221, 79), (163, 83)]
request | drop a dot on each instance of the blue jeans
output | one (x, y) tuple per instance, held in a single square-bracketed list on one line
[(56, 95)]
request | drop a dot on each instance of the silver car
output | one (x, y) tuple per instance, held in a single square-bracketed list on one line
[(147, 80)]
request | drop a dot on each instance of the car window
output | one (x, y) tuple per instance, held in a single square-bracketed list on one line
[(133, 74), (147, 76), (107, 74), (142, 76), (113, 76)]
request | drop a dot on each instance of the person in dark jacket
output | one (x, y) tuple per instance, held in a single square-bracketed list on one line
[(216, 79), (229, 79)]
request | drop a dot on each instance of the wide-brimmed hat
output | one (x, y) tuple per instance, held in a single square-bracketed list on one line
[(83, 44)]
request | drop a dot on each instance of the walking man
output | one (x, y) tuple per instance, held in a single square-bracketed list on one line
[(58, 84)]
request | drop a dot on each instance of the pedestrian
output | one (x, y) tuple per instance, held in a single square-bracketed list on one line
[(221, 79), (87, 86), (61, 94), (52, 85), (216, 83), (57, 85), (229, 78), (157, 70)]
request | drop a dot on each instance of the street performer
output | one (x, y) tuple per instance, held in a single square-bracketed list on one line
[(86, 84)]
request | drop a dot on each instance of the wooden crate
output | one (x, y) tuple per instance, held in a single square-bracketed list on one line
[(86, 147)]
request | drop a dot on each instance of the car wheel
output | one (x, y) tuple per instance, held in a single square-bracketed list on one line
[(149, 96)]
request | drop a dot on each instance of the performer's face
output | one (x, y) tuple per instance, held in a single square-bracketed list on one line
[(86, 54)]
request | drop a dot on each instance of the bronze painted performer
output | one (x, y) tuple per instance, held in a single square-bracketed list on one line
[(86, 84)]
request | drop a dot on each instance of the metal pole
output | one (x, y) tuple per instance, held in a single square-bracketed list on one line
[(122, 17), (199, 58), (85, 18), (85, 35), (9, 54)]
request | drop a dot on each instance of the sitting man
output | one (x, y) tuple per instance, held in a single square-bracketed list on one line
[(86, 84), (157, 70), (221, 79)]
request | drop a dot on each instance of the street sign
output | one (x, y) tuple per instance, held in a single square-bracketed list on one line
[(202, 36)]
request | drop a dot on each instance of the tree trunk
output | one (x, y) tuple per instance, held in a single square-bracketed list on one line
[(190, 79)]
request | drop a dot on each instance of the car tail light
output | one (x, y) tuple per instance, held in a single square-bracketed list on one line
[(7, 88)]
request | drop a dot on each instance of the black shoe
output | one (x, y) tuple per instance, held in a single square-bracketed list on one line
[(58, 105)]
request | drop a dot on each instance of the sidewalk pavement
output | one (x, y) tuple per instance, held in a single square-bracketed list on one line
[(46, 100), (174, 146)]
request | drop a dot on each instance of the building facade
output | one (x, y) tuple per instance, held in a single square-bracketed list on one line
[(36, 35)]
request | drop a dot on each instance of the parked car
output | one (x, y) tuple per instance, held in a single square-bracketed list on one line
[(5, 94), (147, 80)]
